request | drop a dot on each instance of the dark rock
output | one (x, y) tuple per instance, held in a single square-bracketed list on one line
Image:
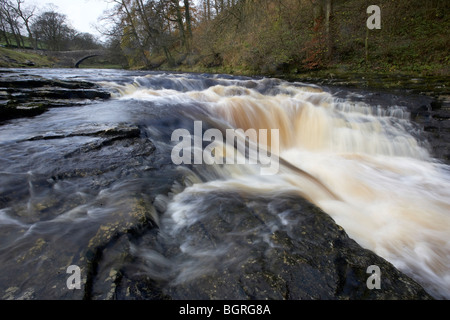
[(55, 93), (422, 111), (435, 122), (28, 82), (10, 111), (31, 95), (302, 254), (63, 185)]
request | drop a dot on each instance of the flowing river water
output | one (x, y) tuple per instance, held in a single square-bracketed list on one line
[(361, 161)]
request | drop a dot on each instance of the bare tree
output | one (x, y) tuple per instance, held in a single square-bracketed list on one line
[(4, 27), (125, 6), (26, 13), (52, 29), (11, 21), (175, 5)]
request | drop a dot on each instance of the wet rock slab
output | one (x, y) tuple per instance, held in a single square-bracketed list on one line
[(28, 96), (77, 207), (303, 255)]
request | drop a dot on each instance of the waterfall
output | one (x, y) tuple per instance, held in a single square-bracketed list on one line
[(362, 164)]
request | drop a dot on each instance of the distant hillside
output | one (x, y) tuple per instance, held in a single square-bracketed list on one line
[(12, 41)]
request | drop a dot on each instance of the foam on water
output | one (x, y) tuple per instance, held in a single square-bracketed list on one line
[(363, 163)]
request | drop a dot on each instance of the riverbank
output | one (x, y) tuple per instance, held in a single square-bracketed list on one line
[(429, 79), (432, 80), (11, 58)]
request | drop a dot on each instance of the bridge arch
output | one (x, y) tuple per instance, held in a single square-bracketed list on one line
[(77, 64), (73, 59)]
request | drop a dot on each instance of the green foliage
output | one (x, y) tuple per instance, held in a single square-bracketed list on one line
[(26, 40), (13, 58)]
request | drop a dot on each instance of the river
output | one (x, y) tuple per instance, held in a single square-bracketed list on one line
[(77, 176)]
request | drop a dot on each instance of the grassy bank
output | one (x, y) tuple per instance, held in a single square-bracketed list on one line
[(12, 58), (15, 58)]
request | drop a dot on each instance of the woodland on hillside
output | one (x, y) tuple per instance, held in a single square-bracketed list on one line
[(280, 36), (248, 36), (23, 26)]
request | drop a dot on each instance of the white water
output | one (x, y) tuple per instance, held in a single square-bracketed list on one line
[(386, 190)]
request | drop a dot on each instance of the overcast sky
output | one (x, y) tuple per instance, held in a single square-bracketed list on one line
[(82, 14)]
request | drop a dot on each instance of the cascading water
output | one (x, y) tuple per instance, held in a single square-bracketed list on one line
[(67, 194), (386, 190)]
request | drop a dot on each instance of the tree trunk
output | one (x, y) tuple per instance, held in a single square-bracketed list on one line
[(3, 32), (19, 35), (180, 22), (135, 33), (187, 16), (366, 46), (328, 15), (30, 36), (317, 13), (5, 37), (216, 6), (144, 18), (16, 37), (169, 57), (26, 16)]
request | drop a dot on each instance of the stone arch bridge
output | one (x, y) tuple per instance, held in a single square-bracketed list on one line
[(73, 59)]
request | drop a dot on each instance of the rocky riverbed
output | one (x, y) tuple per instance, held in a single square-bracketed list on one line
[(427, 98), (88, 181)]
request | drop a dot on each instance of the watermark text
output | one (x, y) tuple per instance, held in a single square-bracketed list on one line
[(374, 21), (250, 147)]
